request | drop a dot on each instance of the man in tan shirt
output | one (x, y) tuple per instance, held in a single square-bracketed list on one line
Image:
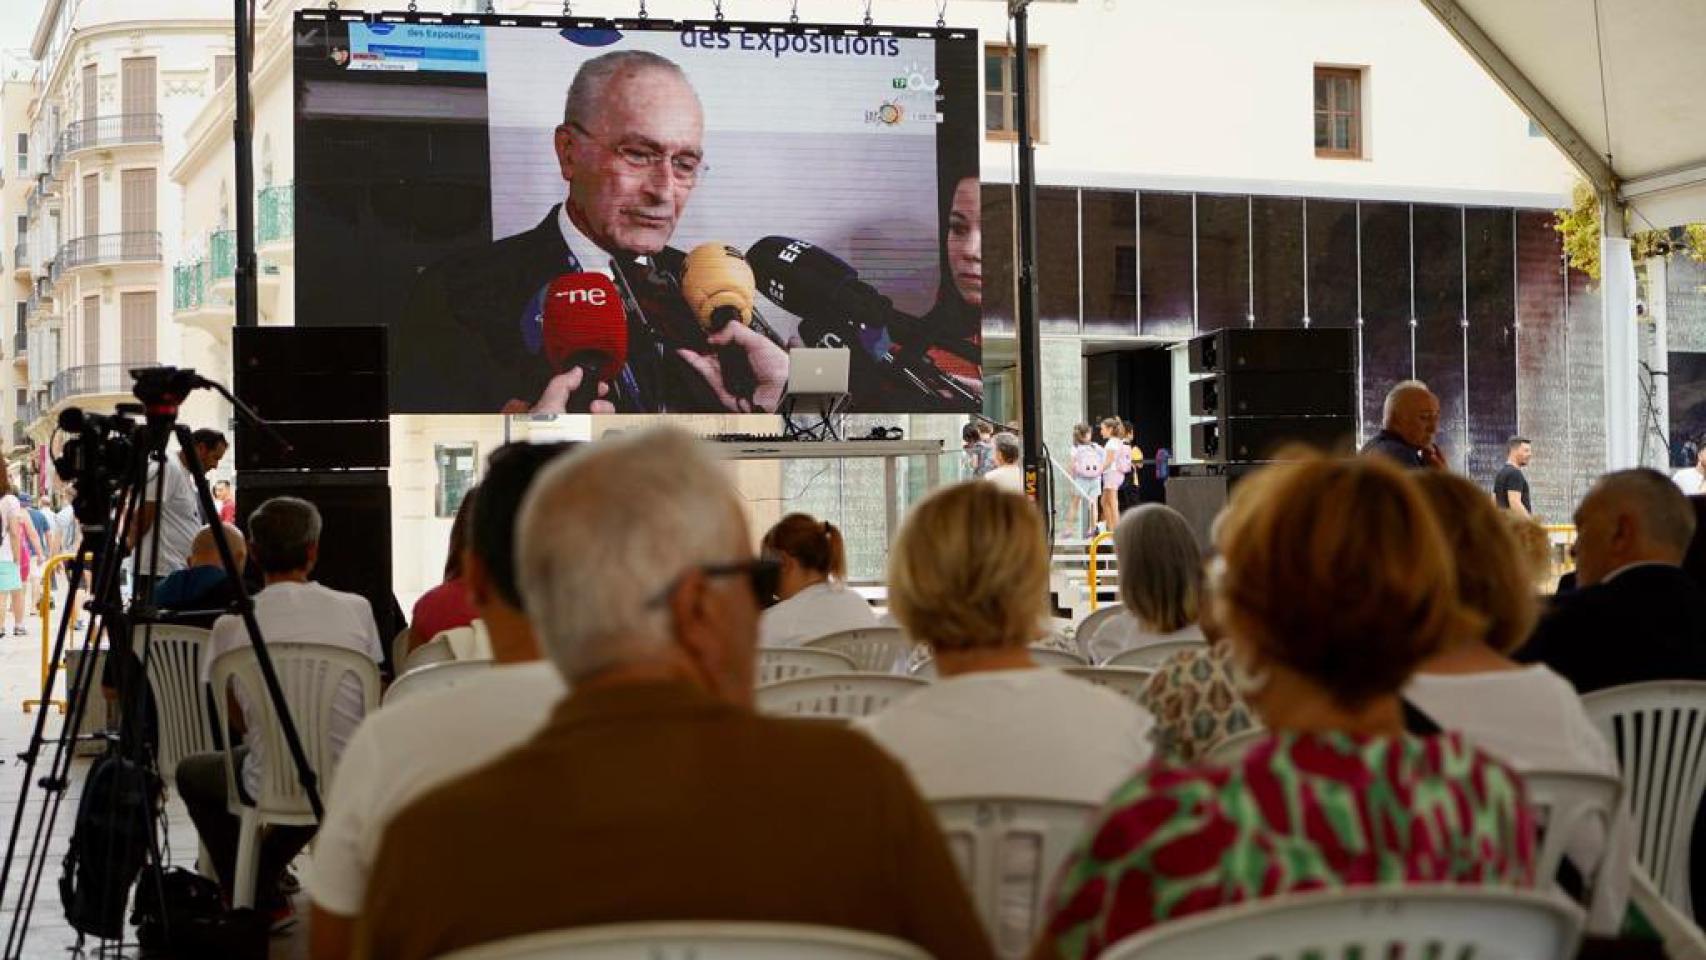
[(655, 792)]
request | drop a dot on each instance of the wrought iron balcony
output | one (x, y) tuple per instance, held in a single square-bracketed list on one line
[(277, 220), (101, 248), (92, 380), (111, 131)]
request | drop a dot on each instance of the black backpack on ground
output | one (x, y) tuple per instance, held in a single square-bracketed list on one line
[(181, 914), (111, 840)]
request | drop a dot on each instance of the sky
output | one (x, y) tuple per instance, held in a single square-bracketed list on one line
[(18, 24)]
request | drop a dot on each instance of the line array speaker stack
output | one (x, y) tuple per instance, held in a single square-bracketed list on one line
[(1265, 390), (324, 390)]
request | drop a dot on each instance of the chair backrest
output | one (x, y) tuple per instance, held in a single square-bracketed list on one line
[(1659, 732), (1128, 682), (696, 941), (1455, 921), (925, 670), (1085, 632), (843, 695), (872, 649), (435, 676), (1229, 751), (786, 663), (1153, 655), (174, 677), (309, 674), (400, 650), (1008, 850), (436, 650), (1055, 657), (1566, 803)]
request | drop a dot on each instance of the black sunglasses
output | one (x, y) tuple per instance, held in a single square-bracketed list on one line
[(761, 575)]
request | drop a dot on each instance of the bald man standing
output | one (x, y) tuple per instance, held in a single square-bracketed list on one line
[(1409, 421)]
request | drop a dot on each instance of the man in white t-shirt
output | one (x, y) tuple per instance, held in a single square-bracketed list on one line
[(284, 539), (1692, 480), (172, 515), (1007, 475), (421, 742)]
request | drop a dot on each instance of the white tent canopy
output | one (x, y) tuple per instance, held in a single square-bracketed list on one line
[(1620, 87)]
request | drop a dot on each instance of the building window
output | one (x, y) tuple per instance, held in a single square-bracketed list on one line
[(23, 153), (1000, 122), (1338, 112), (457, 465), (136, 328), (223, 66), (1125, 271)]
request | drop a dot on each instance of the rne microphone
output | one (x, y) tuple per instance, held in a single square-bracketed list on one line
[(717, 284), (585, 327)]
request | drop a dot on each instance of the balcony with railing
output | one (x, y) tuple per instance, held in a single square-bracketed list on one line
[(276, 226), (92, 382), (21, 258), (109, 248), (20, 345), (111, 131)]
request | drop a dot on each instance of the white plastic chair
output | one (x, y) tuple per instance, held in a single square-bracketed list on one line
[(1055, 657), (1659, 732), (309, 674), (925, 670), (1567, 802), (471, 642), (400, 650), (435, 676), (1110, 616), (1454, 921), (1231, 750), (696, 941), (174, 677), (872, 649), (1008, 850), (1128, 682), (1152, 655), (785, 663), (1682, 939), (839, 695)]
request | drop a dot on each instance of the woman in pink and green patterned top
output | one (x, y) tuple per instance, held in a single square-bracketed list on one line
[(1336, 583)]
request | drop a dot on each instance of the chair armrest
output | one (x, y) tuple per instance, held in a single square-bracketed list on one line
[(1682, 939)]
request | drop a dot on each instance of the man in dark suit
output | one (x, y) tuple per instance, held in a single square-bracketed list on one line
[(1408, 422), (630, 150), (1636, 615)]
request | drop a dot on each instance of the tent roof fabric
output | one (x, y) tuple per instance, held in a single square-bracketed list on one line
[(1619, 85)]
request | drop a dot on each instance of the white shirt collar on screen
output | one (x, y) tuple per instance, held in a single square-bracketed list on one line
[(592, 258)]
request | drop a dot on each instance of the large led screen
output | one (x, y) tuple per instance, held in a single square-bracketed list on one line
[(644, 217)]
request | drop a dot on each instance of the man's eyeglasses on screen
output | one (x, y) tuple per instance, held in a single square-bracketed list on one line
[(760, 576), (686, 168)]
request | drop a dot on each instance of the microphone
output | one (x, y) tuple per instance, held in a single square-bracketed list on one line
[(717, 283), (835, 306), (585, 327)]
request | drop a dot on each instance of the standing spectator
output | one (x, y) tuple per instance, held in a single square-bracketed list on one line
[(1324, 668), (227, 501), (1692, 480), (1128, 493), (1087, 477), (811, 584), (1007, 475), (643, 590), (446, 606), (32, 554), (977, 456), (1409, 421), (1510, 487), (172, 516), (12, 554), (1116, 463)]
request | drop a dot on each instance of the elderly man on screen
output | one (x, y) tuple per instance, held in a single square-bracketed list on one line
[(630, 148), (655, 792), (1409, 421)]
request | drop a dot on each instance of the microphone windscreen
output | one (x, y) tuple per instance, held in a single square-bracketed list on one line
[(585, 324), (803, 278), (718, 285)]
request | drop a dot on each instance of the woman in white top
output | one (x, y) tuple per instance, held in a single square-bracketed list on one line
[(814, 599), (1527, 716), (1116, 463), (968, 575), (1160, 568)]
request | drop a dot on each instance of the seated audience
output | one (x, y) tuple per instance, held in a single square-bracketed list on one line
[(1337, 582), (811, 584), (1160, 568), (200, 593), (1694, 562), (1007, 474), (446, 606), (1634, 615), (1194, 695), (418, 743), (654, 791), (1527, 716), (285, 540), (968, 575)]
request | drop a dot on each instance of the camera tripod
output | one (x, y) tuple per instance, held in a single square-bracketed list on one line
[(109, 461)]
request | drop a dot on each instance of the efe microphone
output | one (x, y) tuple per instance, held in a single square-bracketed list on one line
[(585, 327), (717, 283)]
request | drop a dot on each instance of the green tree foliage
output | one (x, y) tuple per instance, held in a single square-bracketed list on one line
[(1579, 226)]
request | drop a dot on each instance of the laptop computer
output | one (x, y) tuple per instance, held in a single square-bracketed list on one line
[(817, 371)]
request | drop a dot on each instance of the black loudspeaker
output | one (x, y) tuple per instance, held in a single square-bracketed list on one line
[(322, 388), (354, 445), (1252, 393), (1241, 439), (1237, 349)]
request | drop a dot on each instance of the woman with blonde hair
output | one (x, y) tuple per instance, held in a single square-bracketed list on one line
[(968, 575), (1160, 568), (811, 587), (1526, 715), (1336, 583)]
